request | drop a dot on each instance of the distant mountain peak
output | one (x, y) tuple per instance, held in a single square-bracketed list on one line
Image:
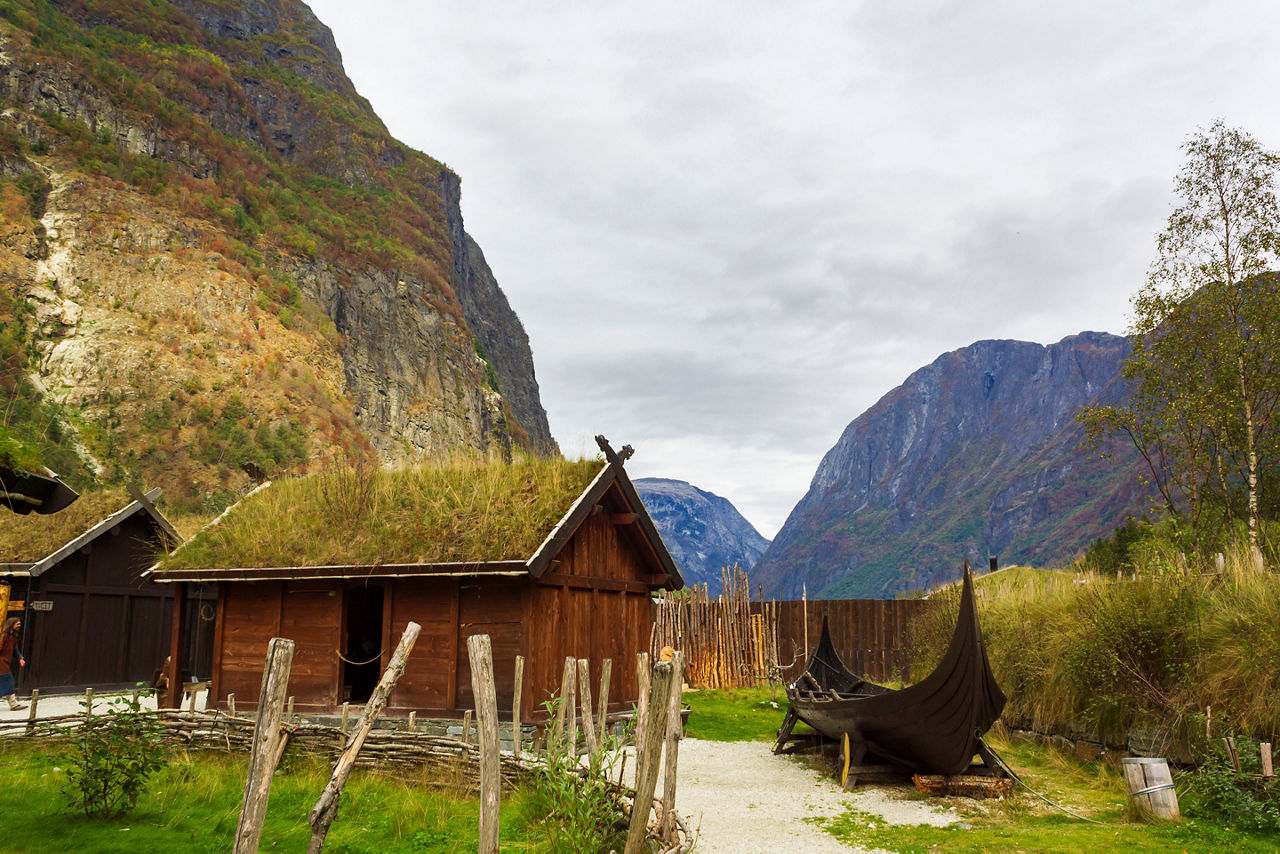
[(703, 531), (975, 454)]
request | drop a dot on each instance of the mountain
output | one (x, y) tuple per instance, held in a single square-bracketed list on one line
[(219, 266), (703, 531), (977, 454)]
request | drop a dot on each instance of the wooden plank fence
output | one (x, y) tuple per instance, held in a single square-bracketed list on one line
[(732, 641)]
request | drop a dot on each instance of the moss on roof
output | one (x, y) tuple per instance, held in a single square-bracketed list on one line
[(27, 539), (459, 512)]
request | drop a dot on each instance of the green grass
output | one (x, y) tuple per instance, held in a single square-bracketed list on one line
[(735, 714), (1024, 823), (194, 805)]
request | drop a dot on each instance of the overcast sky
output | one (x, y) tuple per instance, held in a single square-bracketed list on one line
[(730, 228)]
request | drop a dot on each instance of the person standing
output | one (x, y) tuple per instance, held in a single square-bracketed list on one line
[(8, 646)]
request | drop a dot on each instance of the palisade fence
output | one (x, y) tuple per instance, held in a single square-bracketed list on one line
[(732, 641)]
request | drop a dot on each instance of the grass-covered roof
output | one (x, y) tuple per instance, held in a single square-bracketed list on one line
[(27, 539), (468, 511)]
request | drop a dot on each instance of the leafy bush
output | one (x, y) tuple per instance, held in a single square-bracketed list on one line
[(1243, 799), (580, 809), (112, 756)]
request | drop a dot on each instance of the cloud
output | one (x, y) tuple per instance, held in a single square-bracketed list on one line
[(729, 228)]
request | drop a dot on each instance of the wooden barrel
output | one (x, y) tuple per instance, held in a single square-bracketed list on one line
[(1151, 787)]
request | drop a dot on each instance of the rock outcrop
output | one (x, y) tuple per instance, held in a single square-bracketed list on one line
[(975, 455), (214, 212), (703, 531)]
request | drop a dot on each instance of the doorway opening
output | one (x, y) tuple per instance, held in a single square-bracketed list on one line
[(363, 665)]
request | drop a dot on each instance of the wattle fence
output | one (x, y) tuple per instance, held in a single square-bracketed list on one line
[(731, 640)]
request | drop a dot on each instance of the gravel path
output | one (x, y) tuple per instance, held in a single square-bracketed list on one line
[(748, 801)]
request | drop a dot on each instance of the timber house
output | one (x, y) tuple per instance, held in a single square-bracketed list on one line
[(550, 558), (89, 617)]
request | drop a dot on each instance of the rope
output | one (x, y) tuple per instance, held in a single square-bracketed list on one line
[(377, 657), (1014, 776)]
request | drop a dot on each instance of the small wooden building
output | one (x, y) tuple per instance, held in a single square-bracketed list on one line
[(89, 617), (573, 576)]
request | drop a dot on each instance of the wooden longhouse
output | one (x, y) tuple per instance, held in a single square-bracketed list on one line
[(575, 578), (89, 618)]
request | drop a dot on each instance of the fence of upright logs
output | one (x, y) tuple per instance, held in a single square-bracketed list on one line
[(728, 642), (580, 727)]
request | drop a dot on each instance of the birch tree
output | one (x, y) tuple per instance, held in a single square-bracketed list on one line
[(1205, 366)]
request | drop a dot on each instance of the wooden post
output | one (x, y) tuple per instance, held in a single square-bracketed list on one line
[(262, 755), (466, 727), (804, 599), (346, 716), (326, 808), (35, 700), (482, 687), (556, 741), (191, 703), (674, 734), (1265, 748), (643, 678), (231, 704), (288, 712), (88, 702), (515, 707), (647, 764), (177, 649), (1230, 744), (588, 725), (412, 720), (606, 676)]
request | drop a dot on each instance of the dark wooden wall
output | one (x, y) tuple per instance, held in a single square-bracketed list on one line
[(871, 635), (107, 629)]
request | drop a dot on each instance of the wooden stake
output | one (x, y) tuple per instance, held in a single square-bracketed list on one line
[(1265, 748), (642, 702), (482, 687), (647, 763), (191, 701), (35, 700), (88, 702), (515, 707), (326, 808), (606, 676), (571, 710), (466, 727), (412, 720), (289, 711), (1231, 752), (346, 716), (263, 754), (674, 734), (555, 739), (588, 725), (231, 704)]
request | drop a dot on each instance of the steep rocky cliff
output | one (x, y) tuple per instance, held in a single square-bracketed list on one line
[(222, 266), (703, 531), (974, 455)]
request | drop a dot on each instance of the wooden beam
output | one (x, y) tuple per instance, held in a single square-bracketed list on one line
[(177, 648), (588, 582), (624, 518)]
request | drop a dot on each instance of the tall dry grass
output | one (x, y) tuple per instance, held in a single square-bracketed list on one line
[(465, 510), (1079, 651)]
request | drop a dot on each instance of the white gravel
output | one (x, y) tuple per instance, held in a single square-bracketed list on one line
[(745, 800)]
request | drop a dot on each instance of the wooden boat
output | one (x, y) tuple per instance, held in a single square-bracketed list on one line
[(26, 492), (933, 726)]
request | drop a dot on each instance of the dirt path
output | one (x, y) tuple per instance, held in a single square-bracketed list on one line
[(747, 800)]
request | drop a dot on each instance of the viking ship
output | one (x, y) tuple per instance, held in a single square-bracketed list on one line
[(934, 726)]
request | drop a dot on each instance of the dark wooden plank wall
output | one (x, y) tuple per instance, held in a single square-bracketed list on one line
[(429, 675), (107, 629), (871, 635)]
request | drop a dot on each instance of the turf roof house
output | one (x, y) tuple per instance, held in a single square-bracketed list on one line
[(574, 578), (89, 618)]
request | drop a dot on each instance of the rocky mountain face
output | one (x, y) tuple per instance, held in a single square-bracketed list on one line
[(703, 531), (220, 266), (975, 455)]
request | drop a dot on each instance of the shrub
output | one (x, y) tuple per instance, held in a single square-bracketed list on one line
[(111, 757), (1242, 799)]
